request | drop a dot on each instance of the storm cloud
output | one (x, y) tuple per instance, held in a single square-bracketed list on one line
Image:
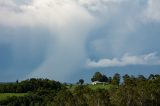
[(55, 38)]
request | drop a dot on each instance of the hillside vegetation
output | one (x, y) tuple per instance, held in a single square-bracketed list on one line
[(4, 96), (133, 91)]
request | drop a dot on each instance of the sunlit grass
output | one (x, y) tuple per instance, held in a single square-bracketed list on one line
[(100, 86), (93, 87), (4, 96)]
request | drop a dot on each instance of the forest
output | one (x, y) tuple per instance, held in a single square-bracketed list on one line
[(127, 90)]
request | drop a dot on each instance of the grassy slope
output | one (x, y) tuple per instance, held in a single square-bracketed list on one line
[(94, 87), (102, 86), (4, 96)]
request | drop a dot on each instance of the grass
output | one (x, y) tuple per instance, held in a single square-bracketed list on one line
[(93, 87), (4, 96), (101, 86)]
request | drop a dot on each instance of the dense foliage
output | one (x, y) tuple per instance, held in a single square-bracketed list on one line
[(29, 85), (99, 77), (133, 91)]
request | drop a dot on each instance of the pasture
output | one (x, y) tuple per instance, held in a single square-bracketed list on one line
[(93, 87), (4, 96)]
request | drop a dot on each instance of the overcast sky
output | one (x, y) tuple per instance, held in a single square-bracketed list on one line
[(67, 40)]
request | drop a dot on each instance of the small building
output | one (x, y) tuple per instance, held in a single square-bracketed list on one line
[(97, 82)]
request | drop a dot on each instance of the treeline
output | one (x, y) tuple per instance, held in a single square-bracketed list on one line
[(133, 91), (31, 85), (80, 96), (137, 91), (115, 80)]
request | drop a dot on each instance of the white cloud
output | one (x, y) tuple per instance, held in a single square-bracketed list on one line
[(152, 12), (126, 60), (69, 23), (60, 12), (57, 13)]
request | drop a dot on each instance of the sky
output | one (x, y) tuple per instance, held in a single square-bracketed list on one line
[(67, 40)]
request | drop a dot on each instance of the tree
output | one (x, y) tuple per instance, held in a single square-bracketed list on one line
[(104, 78), (109, 79), (141, 78), (81, 81), (116, 79), (97, 77), (64, 98), (151, 77), (17, 81), (126, 79), (100, 97)]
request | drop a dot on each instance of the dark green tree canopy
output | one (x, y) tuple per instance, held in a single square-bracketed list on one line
[(99, 77), (133, 91), (81, 81), (116, 79)]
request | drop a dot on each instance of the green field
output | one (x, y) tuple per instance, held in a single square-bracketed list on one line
[(101, 86), (4, 96), (93, 87)]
